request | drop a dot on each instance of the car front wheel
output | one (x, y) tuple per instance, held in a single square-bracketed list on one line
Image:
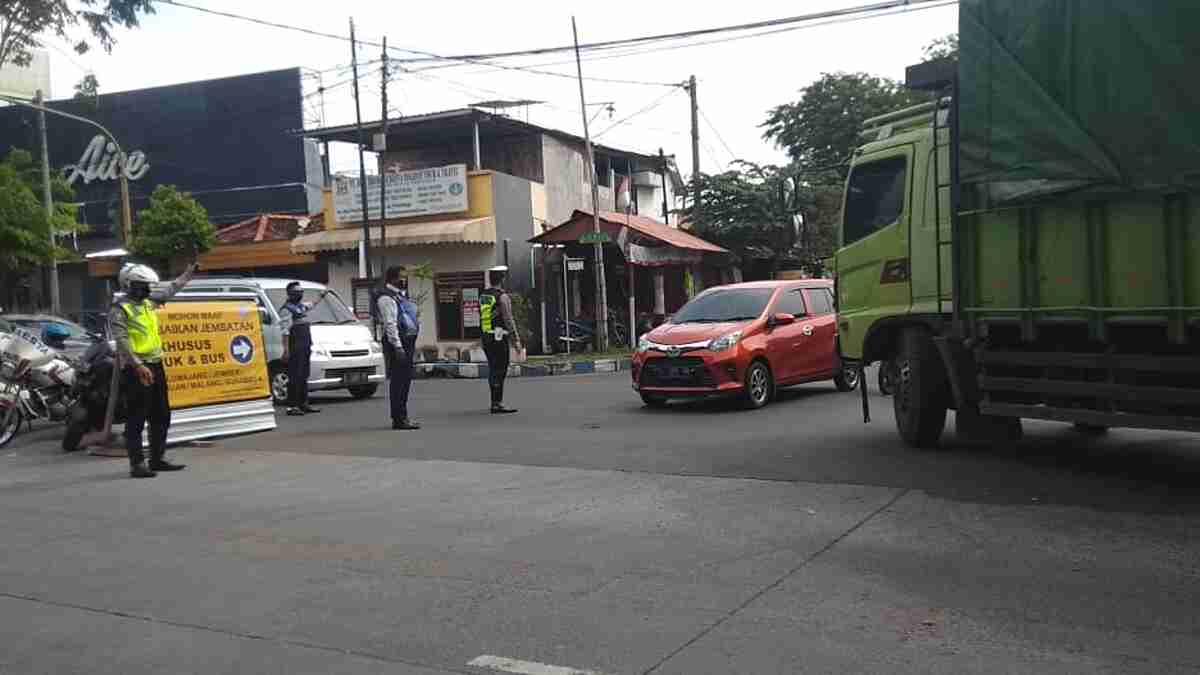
[(847, 380), (279, 385), (760, 385)]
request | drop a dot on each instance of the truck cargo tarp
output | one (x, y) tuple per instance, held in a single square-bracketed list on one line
[(1079, 94)]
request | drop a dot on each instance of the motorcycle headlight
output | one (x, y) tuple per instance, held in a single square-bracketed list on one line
[(725, 342)]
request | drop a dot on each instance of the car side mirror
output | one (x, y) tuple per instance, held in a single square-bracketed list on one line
[(781, 319)]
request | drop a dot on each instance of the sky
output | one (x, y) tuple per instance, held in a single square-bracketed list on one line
[(739, 81)]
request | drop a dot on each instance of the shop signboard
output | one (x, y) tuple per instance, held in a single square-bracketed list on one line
[(420, 192)]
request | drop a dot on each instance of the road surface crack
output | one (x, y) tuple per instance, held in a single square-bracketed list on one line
[(775, 584)]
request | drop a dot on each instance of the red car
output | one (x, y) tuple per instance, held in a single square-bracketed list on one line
[(744, 340)]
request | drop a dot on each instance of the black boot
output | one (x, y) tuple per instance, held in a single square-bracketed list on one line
[(164, 465), (501, 409), (140, 470), (309, 409), (405, 425)]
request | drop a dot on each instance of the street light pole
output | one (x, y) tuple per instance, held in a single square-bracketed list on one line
[(126, 211), (48, 202)]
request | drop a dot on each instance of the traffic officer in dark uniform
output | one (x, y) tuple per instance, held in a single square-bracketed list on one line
[(401, 326), (500, 335), (297, 347)]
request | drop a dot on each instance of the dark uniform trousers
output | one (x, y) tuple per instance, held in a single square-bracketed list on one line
[(498, 357), (299, 364), (400, 372), (146, 403)]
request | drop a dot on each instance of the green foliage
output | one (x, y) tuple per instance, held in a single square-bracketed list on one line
[(424, 274), (769, 212), (943, 47), (88, 89), (820, 130), (174, 225), (65, 217), (23, 24)]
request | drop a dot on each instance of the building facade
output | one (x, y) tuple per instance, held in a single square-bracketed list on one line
[(227, 142), (517, 179)]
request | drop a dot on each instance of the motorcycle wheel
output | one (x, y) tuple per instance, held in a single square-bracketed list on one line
[(10, 424)]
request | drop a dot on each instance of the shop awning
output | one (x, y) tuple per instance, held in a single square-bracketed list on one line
[(477, 231), (644, 230)]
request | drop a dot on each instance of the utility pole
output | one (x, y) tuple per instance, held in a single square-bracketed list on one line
[(48, 204), (382, 173), (691, 87), (663, 176), (364, 267), (601, 288)]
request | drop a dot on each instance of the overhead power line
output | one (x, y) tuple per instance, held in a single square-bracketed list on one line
[(769, 23), (653, 104), (711, 127), (604, 54), (428, 55)]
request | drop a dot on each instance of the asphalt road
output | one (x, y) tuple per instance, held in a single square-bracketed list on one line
[(591, 534)]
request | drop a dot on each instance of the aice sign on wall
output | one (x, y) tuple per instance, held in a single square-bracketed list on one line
[(101, 161)]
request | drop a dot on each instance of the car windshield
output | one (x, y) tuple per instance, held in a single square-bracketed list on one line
[(735, 304), (331, 309)]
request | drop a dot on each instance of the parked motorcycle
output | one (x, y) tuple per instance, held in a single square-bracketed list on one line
[(36, 382), (580, 334), (93, 386)]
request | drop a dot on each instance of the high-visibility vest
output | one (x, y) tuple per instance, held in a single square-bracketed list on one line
[(488, 302), (143, 329)]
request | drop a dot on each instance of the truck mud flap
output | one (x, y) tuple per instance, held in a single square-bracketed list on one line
[(960, 371)]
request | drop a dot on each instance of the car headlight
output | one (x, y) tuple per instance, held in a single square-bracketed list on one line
[(376, 348), (321, 352), (644, 345), (725, 342)]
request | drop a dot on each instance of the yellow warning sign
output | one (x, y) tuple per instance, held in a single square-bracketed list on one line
[(213, 353)]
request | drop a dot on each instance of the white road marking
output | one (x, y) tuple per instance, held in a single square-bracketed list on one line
[(507, 665)]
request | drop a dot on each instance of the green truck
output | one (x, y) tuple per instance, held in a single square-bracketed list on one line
[(1026, 244)]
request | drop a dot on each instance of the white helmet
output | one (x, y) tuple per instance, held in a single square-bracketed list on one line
[(132, 273)]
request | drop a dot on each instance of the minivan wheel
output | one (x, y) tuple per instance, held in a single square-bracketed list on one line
[(653, 401), (760, 385), (279, 385)]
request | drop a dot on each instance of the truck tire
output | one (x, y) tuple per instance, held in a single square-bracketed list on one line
[(920, 399)]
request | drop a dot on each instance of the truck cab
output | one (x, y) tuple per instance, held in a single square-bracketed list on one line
[(893, 263)]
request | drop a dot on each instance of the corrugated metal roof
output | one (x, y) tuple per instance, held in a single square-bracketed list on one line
[(581, 221)]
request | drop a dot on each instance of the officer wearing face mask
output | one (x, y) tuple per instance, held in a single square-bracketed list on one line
[(133, 323), (296, 327)]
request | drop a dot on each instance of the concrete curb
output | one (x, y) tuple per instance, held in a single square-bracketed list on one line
[(479, 371)]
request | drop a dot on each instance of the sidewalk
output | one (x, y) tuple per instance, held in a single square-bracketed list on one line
[(533, 368)]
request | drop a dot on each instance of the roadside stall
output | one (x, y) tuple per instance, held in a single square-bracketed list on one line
[(651, 269)]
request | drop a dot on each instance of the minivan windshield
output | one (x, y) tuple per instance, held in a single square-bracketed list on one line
[(720, 306), (331, 309)]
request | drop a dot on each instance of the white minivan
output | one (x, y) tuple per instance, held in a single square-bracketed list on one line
[(344, 353)]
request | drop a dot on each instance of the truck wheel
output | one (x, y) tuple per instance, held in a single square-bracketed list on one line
[(887, 377), (920, 398)]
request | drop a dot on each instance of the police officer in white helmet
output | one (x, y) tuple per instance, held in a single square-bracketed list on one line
[(134, 326)]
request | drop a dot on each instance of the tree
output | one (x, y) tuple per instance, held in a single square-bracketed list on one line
[(820, 130), (88, 88), (24, 22), (24, 234), (768, 212), (943, 47), (173, 225)]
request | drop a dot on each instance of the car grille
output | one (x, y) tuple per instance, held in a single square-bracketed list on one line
[(342, 372), (679, 372), (352, 353)]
